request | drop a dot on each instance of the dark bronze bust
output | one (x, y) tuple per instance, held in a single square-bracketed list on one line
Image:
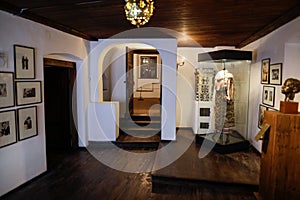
[(290, 87)]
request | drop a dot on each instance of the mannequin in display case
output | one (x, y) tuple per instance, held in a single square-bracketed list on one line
[(223, 104), (227, 131)]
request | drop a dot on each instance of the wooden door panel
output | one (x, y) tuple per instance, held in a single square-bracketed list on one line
[(129, 82)]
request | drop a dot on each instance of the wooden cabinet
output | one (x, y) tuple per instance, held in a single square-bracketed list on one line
[(280, 159)]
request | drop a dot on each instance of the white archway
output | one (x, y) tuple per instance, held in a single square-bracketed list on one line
[(168, 51)]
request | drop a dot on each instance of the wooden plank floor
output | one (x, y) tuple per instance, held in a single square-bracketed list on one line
[(78, 175)]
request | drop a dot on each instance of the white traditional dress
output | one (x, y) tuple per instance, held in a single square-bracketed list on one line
[(223, 105)]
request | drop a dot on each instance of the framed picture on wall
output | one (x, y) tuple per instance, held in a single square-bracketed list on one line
[(28, 92), (8, 130), (268, 95), (265, 67), (27, 122), (148, 67), (261, 114), (24, 58), (276, 74), (6, 90)]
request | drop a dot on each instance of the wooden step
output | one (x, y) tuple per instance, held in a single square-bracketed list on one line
[(145, 124), (142, 117), (140, 121), (132, 125), (137, 145), (141, 132), (127, 141)]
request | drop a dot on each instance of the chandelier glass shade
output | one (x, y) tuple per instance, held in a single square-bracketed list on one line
[(138, 12)]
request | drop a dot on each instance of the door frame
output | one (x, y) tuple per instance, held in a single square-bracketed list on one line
[(49, 62), (129, 77)]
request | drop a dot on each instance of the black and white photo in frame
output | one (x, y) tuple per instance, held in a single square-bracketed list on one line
[(6, 90), (276, 74), (28, 92), (148, 67), (268, 96), (8, 130), (265, 70), (24, 58), (27, 121)]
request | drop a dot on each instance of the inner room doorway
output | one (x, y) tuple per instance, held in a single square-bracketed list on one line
[(61, 134), (146, 86), (141, 125)]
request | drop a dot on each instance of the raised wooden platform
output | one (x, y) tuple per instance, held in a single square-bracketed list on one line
[(238, 170)]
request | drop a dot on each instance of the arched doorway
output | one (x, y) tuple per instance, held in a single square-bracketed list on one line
[(113, 53)]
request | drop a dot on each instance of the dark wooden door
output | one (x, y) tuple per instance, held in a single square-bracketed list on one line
[(60, 129), (129, 82)]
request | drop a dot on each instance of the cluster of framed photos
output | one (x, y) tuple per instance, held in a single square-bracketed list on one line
[(15, 89), (271, 74), (24, 123)]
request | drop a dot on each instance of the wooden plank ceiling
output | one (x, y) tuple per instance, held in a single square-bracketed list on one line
[(209, 22)]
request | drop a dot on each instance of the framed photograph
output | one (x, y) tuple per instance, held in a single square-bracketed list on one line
[(8, 130), (276, 74), (148, 67), (268, 95), (6, 90), (28, 92), (24, 58), (27, 122), (261, 114), (265, 67)]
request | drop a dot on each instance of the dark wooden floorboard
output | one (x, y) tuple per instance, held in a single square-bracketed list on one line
[(78, 175)]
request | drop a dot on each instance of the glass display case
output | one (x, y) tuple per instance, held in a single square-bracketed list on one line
[(221, 99)]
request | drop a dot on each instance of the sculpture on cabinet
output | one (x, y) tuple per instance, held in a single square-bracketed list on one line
[(290, 87)]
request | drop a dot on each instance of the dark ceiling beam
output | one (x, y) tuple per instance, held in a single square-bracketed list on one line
[(28, 15), (282, 20)]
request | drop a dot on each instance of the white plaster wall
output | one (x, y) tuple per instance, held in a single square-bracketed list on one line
[(118, 77), (186, 84), (103, 127), (26, 159), (281, 46)]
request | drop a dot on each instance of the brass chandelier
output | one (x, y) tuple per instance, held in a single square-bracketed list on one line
[(138, 12)]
